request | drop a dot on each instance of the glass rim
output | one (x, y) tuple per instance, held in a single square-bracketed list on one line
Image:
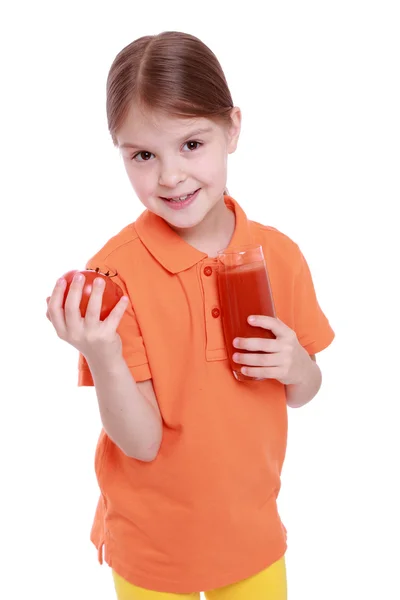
[(240, 249)]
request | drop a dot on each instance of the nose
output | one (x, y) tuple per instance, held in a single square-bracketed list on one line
[(170, 175)]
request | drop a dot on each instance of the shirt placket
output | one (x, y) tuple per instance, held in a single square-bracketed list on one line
[(215, 342)]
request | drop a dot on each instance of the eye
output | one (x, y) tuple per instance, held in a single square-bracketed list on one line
[(144, 156), (193, 145)]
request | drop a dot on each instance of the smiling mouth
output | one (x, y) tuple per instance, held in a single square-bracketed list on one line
[(182, 198)]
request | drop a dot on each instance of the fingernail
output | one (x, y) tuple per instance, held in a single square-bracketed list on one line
[(61, 281), (78, 277), (236, 342), (251, 319)]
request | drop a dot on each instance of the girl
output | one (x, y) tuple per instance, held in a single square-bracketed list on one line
[(189, 459)]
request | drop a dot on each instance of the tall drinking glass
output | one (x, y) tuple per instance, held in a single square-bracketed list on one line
[(244, 290)]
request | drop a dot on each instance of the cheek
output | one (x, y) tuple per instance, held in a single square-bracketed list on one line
[(213, 166), (141, 180)]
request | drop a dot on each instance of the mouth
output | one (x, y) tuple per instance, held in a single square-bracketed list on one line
[(178, 202)]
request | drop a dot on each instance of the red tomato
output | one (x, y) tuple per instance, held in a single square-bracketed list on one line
[(111, 295)]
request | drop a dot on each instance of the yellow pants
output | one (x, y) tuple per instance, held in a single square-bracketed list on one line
[(270, 584)]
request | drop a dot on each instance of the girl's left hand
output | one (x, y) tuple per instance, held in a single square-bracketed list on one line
[(284, 359)]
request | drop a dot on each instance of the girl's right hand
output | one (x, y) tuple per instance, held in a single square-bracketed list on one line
[(96, 340)]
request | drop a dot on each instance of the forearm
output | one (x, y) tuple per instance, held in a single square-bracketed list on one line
[(127, 416), (301, 393)]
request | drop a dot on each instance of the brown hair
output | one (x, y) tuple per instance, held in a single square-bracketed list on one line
[(172, 72)]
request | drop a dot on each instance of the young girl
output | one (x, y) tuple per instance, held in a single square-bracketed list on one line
[(189, 459)]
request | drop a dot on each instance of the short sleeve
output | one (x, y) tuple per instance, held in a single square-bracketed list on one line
[(310, 323), (133, 348)]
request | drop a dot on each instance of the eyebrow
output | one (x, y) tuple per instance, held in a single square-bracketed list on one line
[(191, 135)]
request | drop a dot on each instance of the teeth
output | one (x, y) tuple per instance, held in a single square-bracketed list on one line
[(180, 199)]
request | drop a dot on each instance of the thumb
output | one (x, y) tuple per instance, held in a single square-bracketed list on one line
[(115, 316)]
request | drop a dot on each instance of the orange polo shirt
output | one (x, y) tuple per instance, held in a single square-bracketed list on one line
[(204, 513)]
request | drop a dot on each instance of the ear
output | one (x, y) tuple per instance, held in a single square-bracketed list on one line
[(234, 129)]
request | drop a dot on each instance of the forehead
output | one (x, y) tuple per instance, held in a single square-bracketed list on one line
[(141, 125)]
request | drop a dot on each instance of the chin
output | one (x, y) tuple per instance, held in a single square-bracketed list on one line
[(183, 223)]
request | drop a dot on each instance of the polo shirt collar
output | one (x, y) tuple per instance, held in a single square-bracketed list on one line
[(174, 253)]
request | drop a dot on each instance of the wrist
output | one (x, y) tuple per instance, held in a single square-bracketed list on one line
[(101, 364), (308, 370), (298, 394)]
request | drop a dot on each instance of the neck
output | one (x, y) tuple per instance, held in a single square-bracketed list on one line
[(214, 232)]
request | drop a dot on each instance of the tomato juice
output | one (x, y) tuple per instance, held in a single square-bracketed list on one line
[(244, 290)]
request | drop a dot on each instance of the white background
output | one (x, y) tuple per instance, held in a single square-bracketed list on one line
[(318, 84)]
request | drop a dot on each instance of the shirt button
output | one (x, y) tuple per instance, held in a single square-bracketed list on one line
[(208, 271), (215, 313)]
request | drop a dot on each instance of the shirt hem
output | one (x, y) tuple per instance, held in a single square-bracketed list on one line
[(199, 584)]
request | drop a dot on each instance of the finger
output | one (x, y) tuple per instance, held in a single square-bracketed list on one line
[(275, 325), (93, 310), (47, 313), (262, 372), (55, 309), (257, 344), (72, 311), (115, 316), (257, 360)]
